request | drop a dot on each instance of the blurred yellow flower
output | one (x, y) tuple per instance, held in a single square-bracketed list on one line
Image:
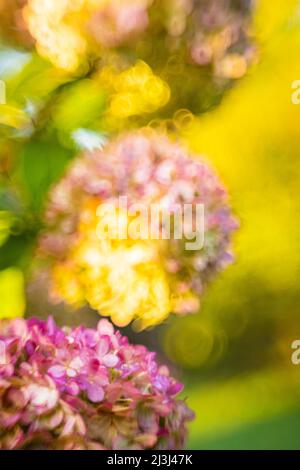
[(120, 278), (12, 293), (135, 91), (68, 31), (60, 40)]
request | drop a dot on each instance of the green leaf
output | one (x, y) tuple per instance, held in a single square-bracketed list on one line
[(42, 163)]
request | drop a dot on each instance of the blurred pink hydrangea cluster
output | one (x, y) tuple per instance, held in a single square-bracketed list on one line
[(135, 279), (215, 32), (81, 388), (207, 32)]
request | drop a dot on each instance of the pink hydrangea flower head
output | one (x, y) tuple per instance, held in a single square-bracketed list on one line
[(139, 278), (215, 33), (81, 388)]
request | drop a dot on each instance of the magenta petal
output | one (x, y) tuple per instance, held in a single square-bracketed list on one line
[(110, 360), (95, 393), (105, 328), (94, 365), (3, 355), (91, 338), (30, 347), (51, 326), (175, 388), (103, 347), (57, 371), (72, 388)]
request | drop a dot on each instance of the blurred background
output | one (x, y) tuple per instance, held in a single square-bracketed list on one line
[(234, 357)]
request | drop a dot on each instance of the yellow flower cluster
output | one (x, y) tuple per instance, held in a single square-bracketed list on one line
[(59, 39), (68, 31), (102, 271), (135, 91)]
